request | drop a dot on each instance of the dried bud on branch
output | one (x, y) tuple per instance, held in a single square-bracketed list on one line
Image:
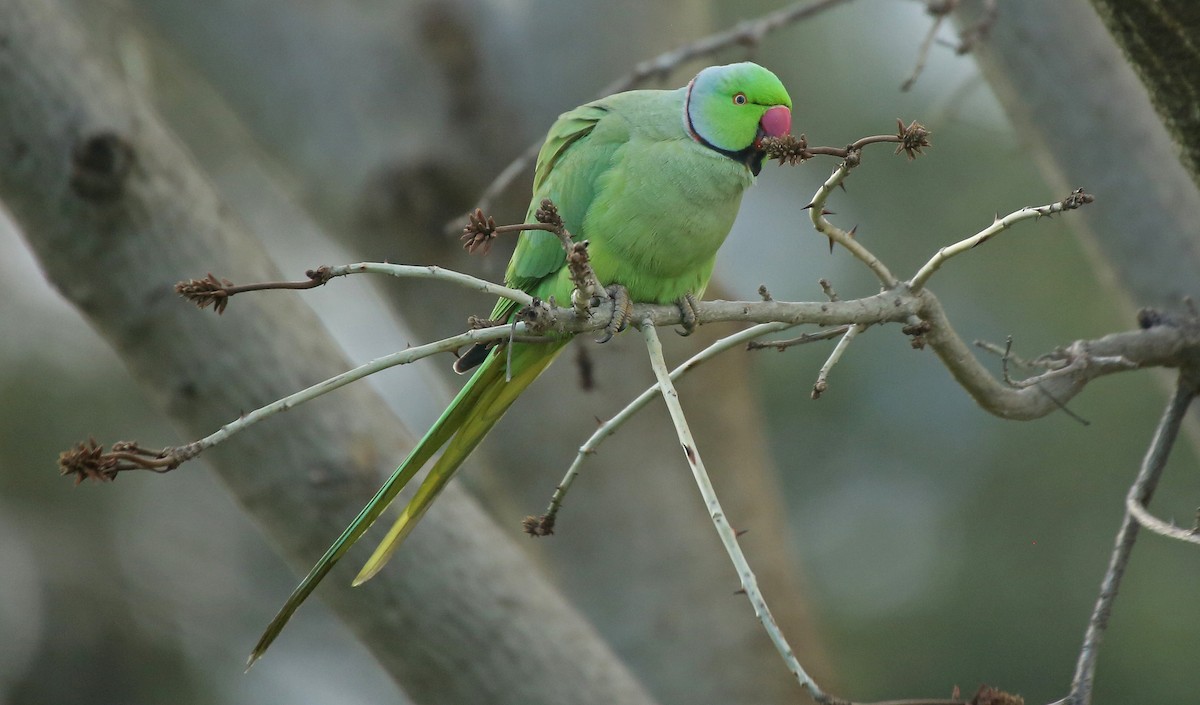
[(206, 292), (987, 695), (579, 265), (477, 323), (1077, 199), (548, 214), (787, 149), (217, 292), (479, 232), (916, 331), (88, 460), (912, 138), (542, 525), (791, 150)]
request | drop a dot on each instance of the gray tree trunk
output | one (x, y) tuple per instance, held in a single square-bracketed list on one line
[(1159, 39), (1089, 122)]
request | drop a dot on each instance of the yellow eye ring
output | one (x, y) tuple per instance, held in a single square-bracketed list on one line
[(739, 98)]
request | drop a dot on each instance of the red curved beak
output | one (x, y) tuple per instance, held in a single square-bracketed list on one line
[(776, 122)]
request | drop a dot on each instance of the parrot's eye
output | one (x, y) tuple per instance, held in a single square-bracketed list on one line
[(739, 98)]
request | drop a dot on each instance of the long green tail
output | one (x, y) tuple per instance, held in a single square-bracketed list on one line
[(464, 423)]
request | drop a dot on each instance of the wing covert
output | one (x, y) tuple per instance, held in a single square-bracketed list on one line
[(569, 165)]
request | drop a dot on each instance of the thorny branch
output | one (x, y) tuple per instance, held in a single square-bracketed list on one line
[(1077, 199), (210, 291), (791, 150), (1163, 528), (1161, 342), (910, 139)]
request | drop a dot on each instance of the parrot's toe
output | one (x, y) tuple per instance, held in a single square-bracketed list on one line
[(622, 312), (687, 309)]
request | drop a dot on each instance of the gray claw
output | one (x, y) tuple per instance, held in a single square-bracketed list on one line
[(622, 312), (687, 309)]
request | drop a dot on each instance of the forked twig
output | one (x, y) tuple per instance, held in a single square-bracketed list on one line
[(1158, 526), (729, 539), (822, 382), (910, 139), (544, 525)]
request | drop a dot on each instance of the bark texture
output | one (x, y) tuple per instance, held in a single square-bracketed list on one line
[(1159, 37)]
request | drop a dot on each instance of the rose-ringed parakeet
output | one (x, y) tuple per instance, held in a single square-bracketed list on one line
[(653, 180)]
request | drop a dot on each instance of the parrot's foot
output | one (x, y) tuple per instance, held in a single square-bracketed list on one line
[(622, 312), (687, 309)]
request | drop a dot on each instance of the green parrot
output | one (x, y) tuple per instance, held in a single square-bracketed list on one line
[(653, 180)]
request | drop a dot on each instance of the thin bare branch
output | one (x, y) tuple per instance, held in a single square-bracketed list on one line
[(792, 149), (822, 382), (911, 139), (724, 530), (1140, 493), (217, 292), (1077, 199), (90, 461), (817, 213), (1158, 526), (940, 9), (803, 339), (1004, 352)]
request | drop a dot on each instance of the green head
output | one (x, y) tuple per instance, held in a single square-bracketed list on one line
[(731, 108)]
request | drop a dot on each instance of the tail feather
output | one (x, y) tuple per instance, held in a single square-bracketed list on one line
[(464, 423), (488, 409)]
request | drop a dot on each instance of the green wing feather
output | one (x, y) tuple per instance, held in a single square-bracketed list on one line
[(568, 167)]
